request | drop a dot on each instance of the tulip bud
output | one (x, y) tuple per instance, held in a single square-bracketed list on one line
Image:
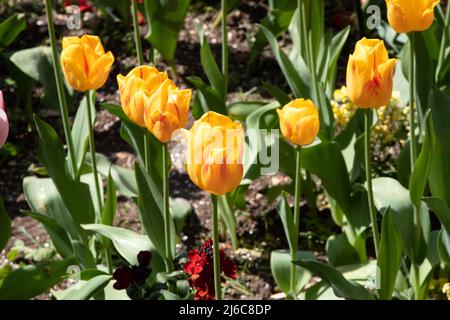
[(214, 153), (299, 121), (167, 110), (4, 124), (407, 16), (136, 88), (84, 62), (370, 74)]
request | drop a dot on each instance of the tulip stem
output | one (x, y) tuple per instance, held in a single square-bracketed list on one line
[(137, 35), (372, 210), (167, 216), (216, 252), (225, 47), (298, 179), (147, 157), (444, 40), (303, 30), (412, 124), (60, 88), (93, 157), (413, 152)]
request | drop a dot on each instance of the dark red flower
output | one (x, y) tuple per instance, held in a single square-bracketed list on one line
[(123, 277), (200, 267), (136, 275), (144, 258)]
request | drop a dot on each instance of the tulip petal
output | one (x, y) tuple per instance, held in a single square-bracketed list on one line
[(4, 126)]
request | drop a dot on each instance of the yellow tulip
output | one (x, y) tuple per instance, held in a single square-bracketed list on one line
[(136, 88), (84, 62), (214, 153), (370, 74), (167, 110), (299, 121), (407, 16)]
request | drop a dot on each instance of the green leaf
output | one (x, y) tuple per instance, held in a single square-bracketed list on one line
[(10, 28), (298, 87), (58, 235), (32, 280), (5, 226), (280, 264), (36, 63), (389, 193), (440, 209), (51, 154), (151, 211), (287, 219), (276, 92), (389, 256), (242, 109), (443, 244), (165, 18), (89, 288), (325, 160), (212, 71), (43, 197), (209, 98), (80, 132), (180, 209), (127, 243), (440, 170), (419, 177), (134, 136), (340, 252), (341, 286), (109, 210)]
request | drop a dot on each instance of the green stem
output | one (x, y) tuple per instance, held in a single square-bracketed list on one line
[(304, 32), (60, 88), (444, 40), (167, 217), (372, 210), (137, 35), (108, 260), (413, 150), (93, 157), (298, 179), (412, 125), (225, 45), (216, 253), (147, 154)]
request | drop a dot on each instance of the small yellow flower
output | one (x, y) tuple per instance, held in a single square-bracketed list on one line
[(84, 62), (299, 122)]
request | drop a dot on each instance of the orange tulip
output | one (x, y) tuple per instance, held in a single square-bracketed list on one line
[(215, 147), (84, 62), (136, 88), (167, 110), (370, 74), (299, 121), (407, 16)]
